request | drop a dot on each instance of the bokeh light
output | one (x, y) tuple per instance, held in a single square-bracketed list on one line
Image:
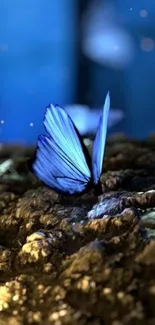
[(147, 44), (143, 13)]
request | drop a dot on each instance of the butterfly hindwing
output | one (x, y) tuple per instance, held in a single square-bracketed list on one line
[(99, 142), (60, 161)]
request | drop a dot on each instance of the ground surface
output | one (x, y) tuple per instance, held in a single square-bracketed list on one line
[(71, 262)]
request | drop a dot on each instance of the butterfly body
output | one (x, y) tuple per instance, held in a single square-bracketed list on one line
[(62, 161)]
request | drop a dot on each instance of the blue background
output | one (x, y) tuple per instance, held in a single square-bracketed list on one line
[(41, 61)]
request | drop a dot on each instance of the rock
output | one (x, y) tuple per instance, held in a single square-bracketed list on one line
[(38, 247), (79, 260), (147, 257)]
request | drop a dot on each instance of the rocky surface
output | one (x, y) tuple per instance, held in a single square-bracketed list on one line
[(79, 261)]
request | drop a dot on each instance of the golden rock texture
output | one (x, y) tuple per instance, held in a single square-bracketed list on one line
[(85, 260)]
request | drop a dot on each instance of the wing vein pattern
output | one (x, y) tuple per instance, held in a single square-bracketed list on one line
[(99, 142), (60, 160)]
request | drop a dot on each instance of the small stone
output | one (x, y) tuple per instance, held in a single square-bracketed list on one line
[(147, 256), (37, 247)]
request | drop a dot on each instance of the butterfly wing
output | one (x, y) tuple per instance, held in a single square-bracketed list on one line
[(60, 160), (99, 142)]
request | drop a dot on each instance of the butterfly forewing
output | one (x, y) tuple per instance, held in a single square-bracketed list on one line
[(62, 130), (99, 142), (60, 160)]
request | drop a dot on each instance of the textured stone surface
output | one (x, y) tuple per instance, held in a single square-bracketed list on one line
[(85, 260)]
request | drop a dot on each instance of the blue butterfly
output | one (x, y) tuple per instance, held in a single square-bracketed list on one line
[(62, 161)]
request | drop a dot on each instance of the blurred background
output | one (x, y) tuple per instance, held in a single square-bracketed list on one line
[(71, 52)]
